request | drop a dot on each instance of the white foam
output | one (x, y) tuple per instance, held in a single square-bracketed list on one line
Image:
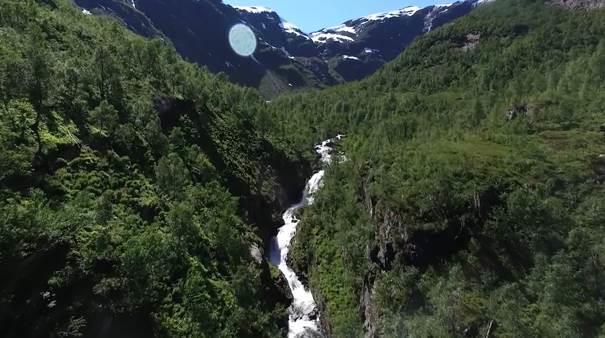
[(303, 313)]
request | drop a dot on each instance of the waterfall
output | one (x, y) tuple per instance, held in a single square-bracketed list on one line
[(304, 317)]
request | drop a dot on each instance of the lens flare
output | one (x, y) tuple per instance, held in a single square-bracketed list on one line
[(242, 40)]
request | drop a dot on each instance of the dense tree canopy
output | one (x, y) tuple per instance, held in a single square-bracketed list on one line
[(126, 180), (134, 185), (473, 192)]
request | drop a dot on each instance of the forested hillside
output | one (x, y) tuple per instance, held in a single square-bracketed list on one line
[(472, 202), (136, 191)]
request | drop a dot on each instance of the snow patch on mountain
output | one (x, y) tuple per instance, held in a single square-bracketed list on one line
[(254, 9), (340, 33), (271, 15), (349, 30), (349, 57), (437, 9), (292, 29), (341, 28), (407, 11), (323, 37)]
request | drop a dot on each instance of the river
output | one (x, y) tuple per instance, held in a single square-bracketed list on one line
[(303, 314)]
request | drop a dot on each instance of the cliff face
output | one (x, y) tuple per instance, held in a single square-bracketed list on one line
[(421, 245)]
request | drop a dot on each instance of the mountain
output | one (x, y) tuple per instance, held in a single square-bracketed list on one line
[(287, 58), (472, 199), (137, 191), (197, 29), (459, 191), (359, 47)]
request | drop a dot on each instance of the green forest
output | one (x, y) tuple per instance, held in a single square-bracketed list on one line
[(139, 190), (473, 196), (133, 186)]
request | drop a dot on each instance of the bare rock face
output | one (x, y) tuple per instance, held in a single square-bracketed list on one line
[(368, 309), (256, 253), (472, 40)]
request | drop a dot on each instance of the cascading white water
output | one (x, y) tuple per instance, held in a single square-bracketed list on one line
[(304, 317)]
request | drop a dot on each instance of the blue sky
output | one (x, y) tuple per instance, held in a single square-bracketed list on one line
[(311, 15)]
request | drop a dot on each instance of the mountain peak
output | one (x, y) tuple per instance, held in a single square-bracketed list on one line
[(286, 55)]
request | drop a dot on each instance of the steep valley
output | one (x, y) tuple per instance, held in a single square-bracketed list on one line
[(142, 195)]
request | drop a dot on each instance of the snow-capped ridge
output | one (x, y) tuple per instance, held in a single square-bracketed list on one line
[(351, 30), (254, 9), (286, 26), (291, 28), (342, 52), (341, 28), (407, 11)]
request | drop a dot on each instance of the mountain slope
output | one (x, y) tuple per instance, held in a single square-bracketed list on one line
[(287, 58), (197, 29), (359, 47), (471, 204), (137, 191)]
